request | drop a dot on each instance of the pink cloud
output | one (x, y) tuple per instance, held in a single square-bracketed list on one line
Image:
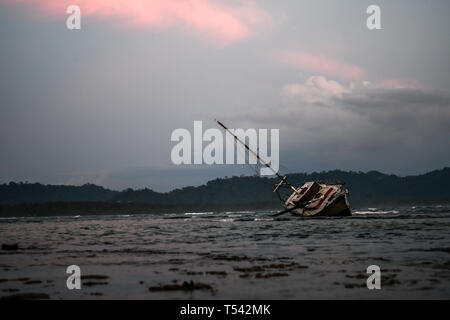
[(321, 64), (220, 23), (399, 83)]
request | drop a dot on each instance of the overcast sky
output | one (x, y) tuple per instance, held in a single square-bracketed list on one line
[(99, 104)]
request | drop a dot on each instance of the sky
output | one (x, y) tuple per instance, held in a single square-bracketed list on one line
[(99, 104)]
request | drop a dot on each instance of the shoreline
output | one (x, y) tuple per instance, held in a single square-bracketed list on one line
[(51, 209)]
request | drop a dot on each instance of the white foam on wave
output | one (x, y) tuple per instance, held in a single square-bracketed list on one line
[(363, 212), (237, 212), (197, 213), (225, 220), (263, 219)]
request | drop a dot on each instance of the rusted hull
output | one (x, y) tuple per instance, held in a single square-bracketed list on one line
[(319, 199), (338, 208)]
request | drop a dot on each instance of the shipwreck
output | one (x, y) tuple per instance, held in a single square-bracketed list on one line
[(312, 199)]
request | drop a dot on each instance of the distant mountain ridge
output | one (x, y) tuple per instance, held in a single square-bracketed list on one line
[(16, 193), (370, 188)]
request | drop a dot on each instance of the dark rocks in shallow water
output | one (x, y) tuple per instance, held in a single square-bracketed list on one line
[(217, 273), (284, 266), (33, 282), (447, 250), (274, 266), (185, 286), (196, 273), (176, 261), (94, 277), (270, 275), (192, 273), (224, 257), (357, 276), (26, 296), (19, 279), (229, 258), (251, 269), (389, 280), (11, 290), (354, 285), (10, 247), (261, 275), (94, 283)]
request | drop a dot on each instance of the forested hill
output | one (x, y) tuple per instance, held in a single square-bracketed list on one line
[(14, 193), (371, 188)]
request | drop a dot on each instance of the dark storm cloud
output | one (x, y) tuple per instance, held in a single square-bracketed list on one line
[(325, 124), (320, 101), (396, 97), (413, 110), (92, 105)]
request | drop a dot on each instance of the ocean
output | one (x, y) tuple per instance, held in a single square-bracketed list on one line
[(229, 255)]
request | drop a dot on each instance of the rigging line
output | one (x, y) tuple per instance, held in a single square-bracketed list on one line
[(250, 150), (254, 167), (283, 179)]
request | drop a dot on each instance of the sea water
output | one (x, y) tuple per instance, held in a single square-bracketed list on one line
[(230, 255)]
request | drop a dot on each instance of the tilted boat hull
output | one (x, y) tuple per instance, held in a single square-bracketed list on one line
[(316, 199), (339, 208), (311, 199)]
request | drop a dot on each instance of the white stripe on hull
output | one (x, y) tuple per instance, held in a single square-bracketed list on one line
[(321, 200)]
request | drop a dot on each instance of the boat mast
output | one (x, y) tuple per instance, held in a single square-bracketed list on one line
[(257, 156)]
